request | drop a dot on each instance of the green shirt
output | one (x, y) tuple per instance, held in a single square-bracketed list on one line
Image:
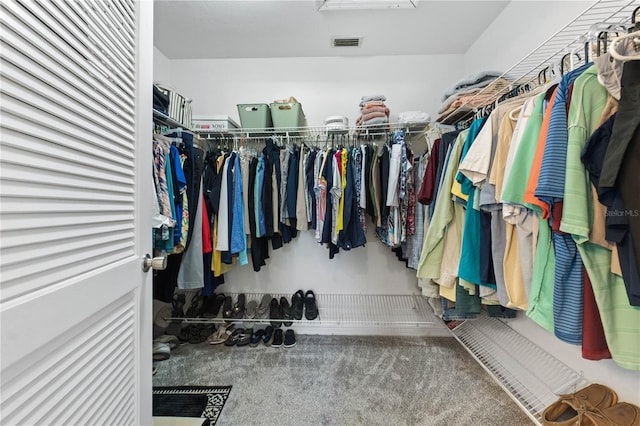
[(620, 320), (433, 245)]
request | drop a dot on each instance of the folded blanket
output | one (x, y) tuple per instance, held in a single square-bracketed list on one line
[(480, 79), (451, 99), (368, 116), (374, 108), (370, 98), (374, 122)]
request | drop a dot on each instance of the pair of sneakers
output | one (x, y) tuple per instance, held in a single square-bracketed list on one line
[(306, 302), (280, 313), (277, 337)]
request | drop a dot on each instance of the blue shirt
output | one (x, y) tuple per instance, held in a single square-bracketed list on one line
[(238, 237), (550, 187)]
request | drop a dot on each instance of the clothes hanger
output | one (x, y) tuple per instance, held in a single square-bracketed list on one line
[(633, 35), (616, 45)]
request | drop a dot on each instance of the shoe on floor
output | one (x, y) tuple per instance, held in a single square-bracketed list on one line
[(234, 337), (221, 334), (245, 338), (267, 337), (297, 305), (277, 338), (621, 414), (289, 339), (310, 305), (168, 339), (161, 351), (256, 337), (286, 311), (569, 408), (275, 313)]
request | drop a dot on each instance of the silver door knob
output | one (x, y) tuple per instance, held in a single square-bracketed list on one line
[(157, 263)]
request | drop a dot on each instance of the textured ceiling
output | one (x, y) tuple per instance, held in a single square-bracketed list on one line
[(295, 28)]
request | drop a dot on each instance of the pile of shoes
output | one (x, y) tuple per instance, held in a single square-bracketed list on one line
[(231, 335), (219, 306), (594, 405), (277, 312)]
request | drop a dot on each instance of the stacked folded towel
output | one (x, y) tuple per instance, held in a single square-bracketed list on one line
[(336, 124), (414, 119), (373, 112)]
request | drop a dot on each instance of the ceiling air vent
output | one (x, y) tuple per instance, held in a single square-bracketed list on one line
[(346, 41)]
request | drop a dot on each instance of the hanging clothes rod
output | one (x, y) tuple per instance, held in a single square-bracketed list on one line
[(322, 131), (568, 40)]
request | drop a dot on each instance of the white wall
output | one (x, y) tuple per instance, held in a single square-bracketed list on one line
[(519, 29), (305, 264), (324, 86), (161, 67)]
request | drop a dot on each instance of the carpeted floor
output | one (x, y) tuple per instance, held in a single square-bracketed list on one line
[(347, 380)]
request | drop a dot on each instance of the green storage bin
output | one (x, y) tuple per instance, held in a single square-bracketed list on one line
[(255, 116), (287, 115)]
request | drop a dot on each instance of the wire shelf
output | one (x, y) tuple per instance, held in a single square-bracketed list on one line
[(350, 310), (306, 132), (570, 38), (532, 376)]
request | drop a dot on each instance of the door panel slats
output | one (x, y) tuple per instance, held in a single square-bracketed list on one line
[(58, 142), (32, 57), (97, 350), (117, 58), (23, 222), (38, 104), (117, 29), (69, 200), (74, 101), (69, 51), (111, 9), (99, 44), (74, 175), (55, 263), (25, 112)]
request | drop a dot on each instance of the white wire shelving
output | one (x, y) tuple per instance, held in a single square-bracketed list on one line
[(569, 39), (347, 310), (533, 377), (320, 132)]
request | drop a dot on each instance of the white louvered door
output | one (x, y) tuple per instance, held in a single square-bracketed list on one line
[(75, 185)]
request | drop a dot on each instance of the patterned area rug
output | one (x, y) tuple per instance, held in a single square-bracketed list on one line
[(190, 401)]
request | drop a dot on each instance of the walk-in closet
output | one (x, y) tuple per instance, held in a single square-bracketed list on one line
[(319, 212)]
